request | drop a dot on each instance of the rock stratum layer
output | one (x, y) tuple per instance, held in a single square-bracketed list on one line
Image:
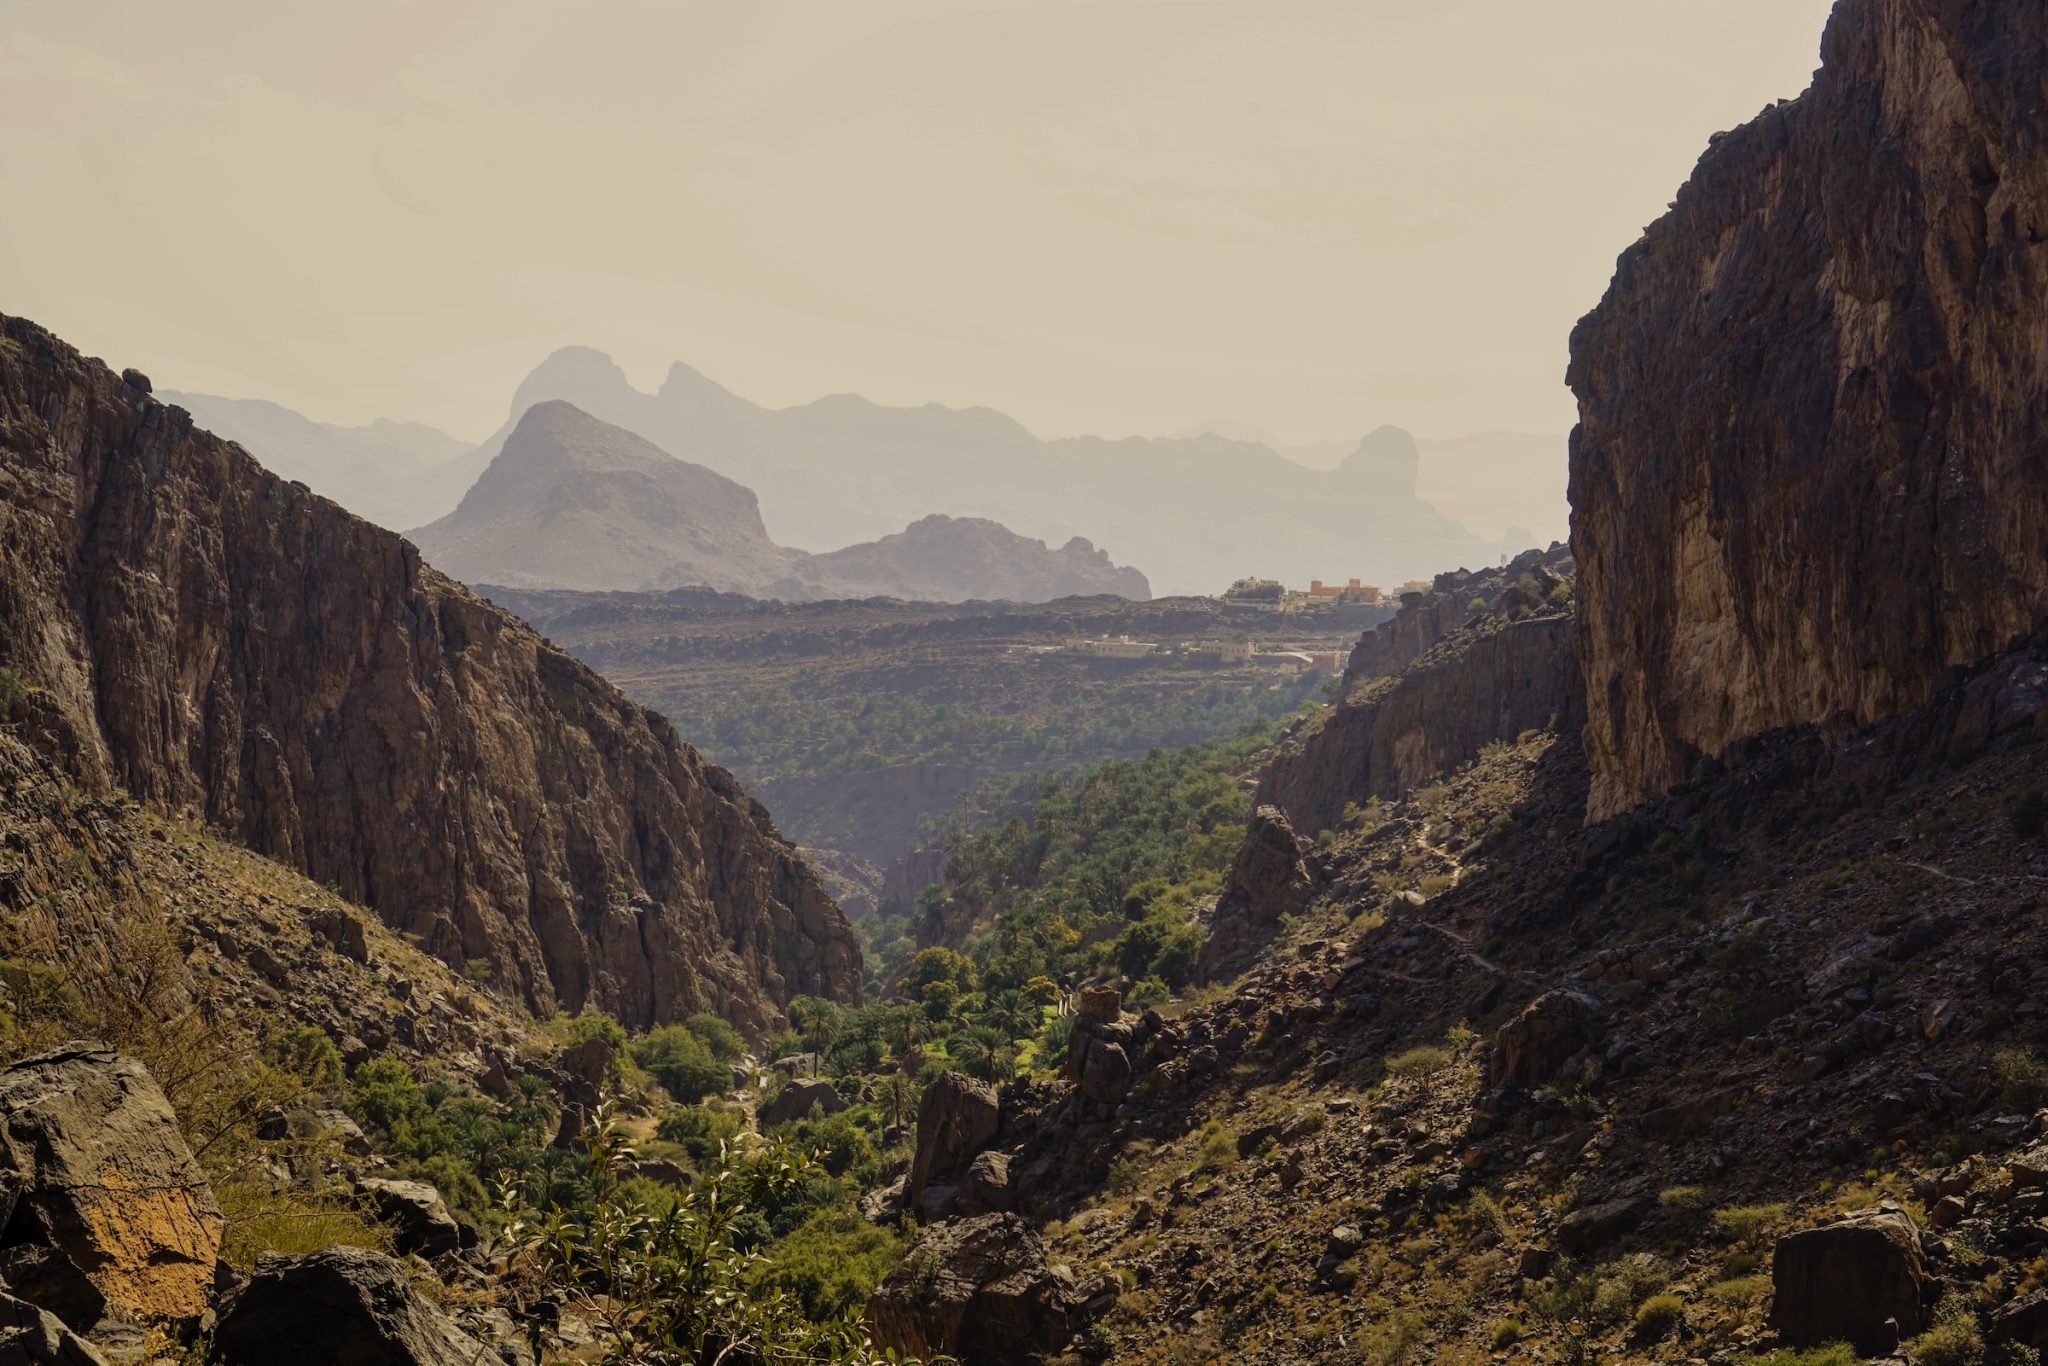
[(1807, 476), (1480, 657), (182, 624)]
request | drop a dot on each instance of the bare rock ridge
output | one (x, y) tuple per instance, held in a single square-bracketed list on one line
[(1807, 478), (571, 502), (217, 640), (1480, 657)]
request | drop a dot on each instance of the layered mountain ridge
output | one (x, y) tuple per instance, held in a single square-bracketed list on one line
[(214, 639), (571, 502), (1195, 513)]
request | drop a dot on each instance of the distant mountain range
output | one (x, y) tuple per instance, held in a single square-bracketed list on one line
[(1195, 512), (572, 502), (374, 471)]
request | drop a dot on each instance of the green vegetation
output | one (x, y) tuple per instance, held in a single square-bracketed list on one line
[(1657, 1316), (1127, 846), (1834, 1354), (782, 732), (679, 1273)]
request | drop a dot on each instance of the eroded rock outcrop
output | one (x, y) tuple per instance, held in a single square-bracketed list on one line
[(93, 1170), (344, 1306), (980, 1290), (220, 641), (1861, 1281), (1807, 476), (955, 1121), (1482, 657)]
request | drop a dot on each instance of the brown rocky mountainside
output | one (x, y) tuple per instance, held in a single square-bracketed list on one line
[(215, 640), (1480, 657), (574, 503), (1807, 477)]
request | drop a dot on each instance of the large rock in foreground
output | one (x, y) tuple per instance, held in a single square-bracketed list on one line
[(1860, 1281), (1807, 475), (93, 1166), (955, 1121), (344, 1306), (980, 1290), (33, 1337)]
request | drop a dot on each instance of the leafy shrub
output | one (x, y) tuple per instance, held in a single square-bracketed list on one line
[(1747, 1223), (1657, 1316), (1216, 1148), (1741, 1290), (683, 1285), (1833, 1354), (832, 1263), (305, 1052), (1418, 1061), (702, 1131), (719, 1036), (682, 1062), (2022, 1077)]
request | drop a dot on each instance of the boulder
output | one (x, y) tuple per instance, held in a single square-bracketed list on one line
[(1099, 1005), (955, 1121), (2023, 1321), (587, 1064), (986, 1188), (49, 1280), (33, 1337), (92, 1164), (979, 1290), (1533, 1047), (343, 1306), (1105, 1072), (800, 1098), (1595, 1226), (343, 933), (417, 1214), (1268, 875), (1860, 1281)]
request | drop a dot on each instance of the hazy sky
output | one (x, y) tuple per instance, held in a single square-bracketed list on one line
[(1312, 215)]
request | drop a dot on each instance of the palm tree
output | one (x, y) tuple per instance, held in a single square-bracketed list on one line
[(985, 1051), (896, 1096), (1010, 1013), (909, 1029)]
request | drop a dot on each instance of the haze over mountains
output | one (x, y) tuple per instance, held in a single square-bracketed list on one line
[(572, 502), (1192, 512), (372, 470)]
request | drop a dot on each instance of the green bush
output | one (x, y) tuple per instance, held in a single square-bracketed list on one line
[(1833, 1354), (1747, 1224), (702, 1132), (305, 1052), (1952, 1341), (719, 1036), (832, 1263), (1419, 1061), (1657, 1316), (681, 1061)]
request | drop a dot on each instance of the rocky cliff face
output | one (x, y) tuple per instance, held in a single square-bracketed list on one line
[(1807, 477), (1481, 657), (177, 622)]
